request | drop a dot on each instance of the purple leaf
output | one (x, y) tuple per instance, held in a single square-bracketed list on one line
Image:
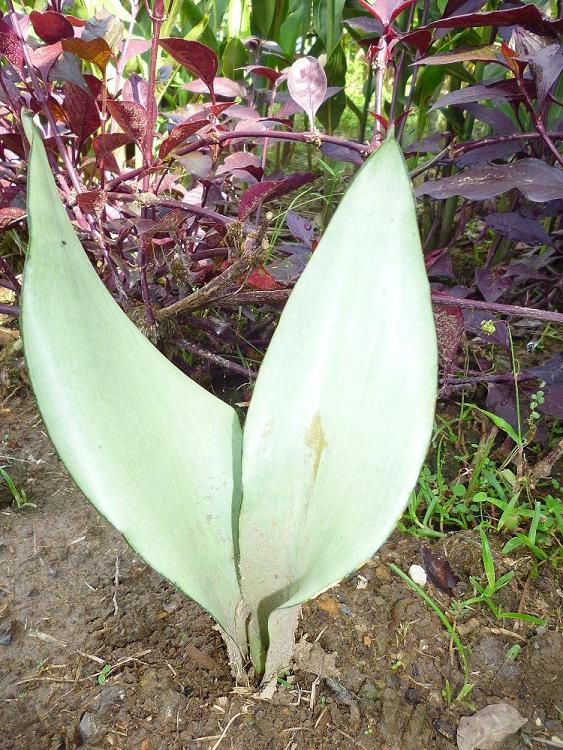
[(300, 228), (134, 47), (499, 91), (306, 81), (486, 53), (438, 570), (43, 58), (491, 283), (489, 152), (459, 7), (493, 117), (528, 16), (290, 107), (365, 25), (51, 26), (501, 401), (545, 58), (534, 178), (288, 270), (553, 401), (196, 57), (341, 153), (221, 86), (518, 228), (550, 371), (136, 89), (432, 144), (473, 323), (268, 190)]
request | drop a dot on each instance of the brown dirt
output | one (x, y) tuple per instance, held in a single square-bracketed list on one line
[(62, 618)]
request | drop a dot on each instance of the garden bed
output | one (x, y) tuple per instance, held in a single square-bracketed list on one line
[(98, 650)]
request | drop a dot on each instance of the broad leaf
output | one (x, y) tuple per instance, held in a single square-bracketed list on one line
[(51, 26), (306, 81), (342, 412), (153, 451), (196, 57)]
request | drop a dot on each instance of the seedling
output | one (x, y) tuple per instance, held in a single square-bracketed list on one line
[(249, 526), (19, 495)]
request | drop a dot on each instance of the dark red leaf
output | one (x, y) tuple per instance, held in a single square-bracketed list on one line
[(81, 112), (11, 46), (260, 279), (51, 26), (93, 201), (538, 181), (545, 58), (105, 143), (96, 51), (528, 16), (94, 84), (130, 116), (167, 223), (438, 570), (196, 57), (365, 25), (179, 134), (13, 142), (262, 70), (264, 191)]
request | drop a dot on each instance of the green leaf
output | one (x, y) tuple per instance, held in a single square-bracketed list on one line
[(327, 18), (501, 424), (151, 449), (342, 411), (234, 57), (488, 562), (331, 111)]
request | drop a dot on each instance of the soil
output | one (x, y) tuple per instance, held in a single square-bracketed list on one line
[(97, 650)]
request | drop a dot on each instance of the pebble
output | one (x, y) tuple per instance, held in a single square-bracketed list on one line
[(90, 730), (418, 574)]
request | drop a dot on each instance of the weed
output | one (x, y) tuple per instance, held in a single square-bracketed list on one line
[(18, 495)]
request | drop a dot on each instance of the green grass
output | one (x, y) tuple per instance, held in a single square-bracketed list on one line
[(18, 495)]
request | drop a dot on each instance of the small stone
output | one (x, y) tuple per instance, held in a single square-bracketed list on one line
[(413, 696), (418, 575), (90, 729), (370, 692), (383, 573), (5, 639), (52, 572)]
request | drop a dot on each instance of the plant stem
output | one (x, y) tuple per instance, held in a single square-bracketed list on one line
[(380, 66), (538, 123)]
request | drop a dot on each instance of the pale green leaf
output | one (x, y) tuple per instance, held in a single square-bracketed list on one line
[(154, 452), (342, 412)]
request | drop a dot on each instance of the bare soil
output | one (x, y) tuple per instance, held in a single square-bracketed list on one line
[(74, 598)]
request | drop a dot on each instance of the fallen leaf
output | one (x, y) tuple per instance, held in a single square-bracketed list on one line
[(490, 726), (202, 659), (438, 570)]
